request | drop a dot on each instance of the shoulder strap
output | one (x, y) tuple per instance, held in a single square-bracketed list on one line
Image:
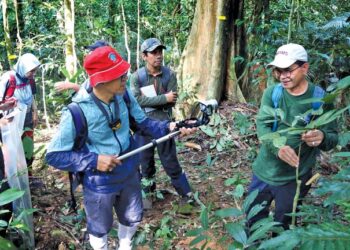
[(80, 124), (276, 96), (318, 93), (142, 77), (165, 78), (126, 98), (81, 130), (132, 121), (10, 87)]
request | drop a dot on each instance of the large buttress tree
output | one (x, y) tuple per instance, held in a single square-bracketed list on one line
[(206, 65)]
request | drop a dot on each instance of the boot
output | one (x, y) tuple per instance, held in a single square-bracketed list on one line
[(98, 243)]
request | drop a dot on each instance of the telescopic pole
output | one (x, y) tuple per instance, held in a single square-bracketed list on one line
[(151, 144)]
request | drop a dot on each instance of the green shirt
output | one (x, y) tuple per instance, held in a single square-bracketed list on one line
[(159, 103), (268, 167)]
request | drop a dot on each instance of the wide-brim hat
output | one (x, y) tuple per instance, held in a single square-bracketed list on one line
[(104, 64), (288, 54)]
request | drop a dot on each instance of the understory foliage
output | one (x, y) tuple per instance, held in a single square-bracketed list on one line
[(322, 27)]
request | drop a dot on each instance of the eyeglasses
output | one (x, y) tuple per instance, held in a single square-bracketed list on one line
[(287, 72), (124, 77)]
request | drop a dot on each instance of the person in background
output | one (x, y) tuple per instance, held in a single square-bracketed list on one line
[(155, 88), (107, 181), (20, 84), (274, 168)]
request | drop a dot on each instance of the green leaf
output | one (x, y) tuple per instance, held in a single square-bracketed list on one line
[(288, 240), (329, 98), (326, 118), (195, 232), (342, 154), (270, 136), (239, 191), (344, 83), (204, 218), (262, 231), (311, 100), (297, 131), (279, 142), (255, 210), (237, 231), (3, 223), (208, 131), (249, 200), (6, 244), (198, 239), (10, 195), (228, 212), (344, 139)]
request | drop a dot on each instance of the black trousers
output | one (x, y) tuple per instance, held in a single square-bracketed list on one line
[(167, 154), (283, 197)]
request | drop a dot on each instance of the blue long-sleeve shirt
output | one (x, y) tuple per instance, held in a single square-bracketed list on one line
[(101, 140)]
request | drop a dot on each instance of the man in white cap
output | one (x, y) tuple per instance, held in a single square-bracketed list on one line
[(274, 168)]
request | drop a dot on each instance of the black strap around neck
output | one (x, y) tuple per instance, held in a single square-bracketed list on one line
[(113, 122)]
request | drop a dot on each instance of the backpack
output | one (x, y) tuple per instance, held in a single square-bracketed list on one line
[(277, 94), (143, 77), (12, 86), (81, 138)]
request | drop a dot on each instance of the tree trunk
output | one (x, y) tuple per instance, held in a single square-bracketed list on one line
[(125, 32), (112, 10), (19, 42), (138, 35), (256, 71), (8, 45), (206, 68), (71, 58)]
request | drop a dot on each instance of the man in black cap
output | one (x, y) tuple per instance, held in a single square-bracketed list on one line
[(155, 89)]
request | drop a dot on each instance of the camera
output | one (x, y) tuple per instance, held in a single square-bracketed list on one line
[(209, 106)]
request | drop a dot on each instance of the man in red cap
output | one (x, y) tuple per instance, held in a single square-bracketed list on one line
[(107, 182)]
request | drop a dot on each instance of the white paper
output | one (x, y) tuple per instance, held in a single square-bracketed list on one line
[(149, 91)]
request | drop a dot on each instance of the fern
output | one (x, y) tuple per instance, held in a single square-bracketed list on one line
[(324, 236), (338, 187)]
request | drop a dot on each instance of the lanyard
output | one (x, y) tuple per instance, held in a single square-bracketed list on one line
[(115, 123)]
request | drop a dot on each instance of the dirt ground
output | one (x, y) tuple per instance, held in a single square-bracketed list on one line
[(162, 227)]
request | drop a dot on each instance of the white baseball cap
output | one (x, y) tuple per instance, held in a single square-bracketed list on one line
[(288, 54)]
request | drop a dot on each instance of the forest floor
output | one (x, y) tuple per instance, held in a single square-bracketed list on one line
[(223, 162)]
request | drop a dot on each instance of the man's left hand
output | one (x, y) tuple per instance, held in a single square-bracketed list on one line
[(313, 138), (184, 131)]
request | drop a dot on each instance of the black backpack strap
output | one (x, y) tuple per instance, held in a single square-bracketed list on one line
[(165, 78), (142, 77), (80, 124), (132, 121), (81, 130)]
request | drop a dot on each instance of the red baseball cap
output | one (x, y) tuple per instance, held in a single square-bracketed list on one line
[(104, 64)]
